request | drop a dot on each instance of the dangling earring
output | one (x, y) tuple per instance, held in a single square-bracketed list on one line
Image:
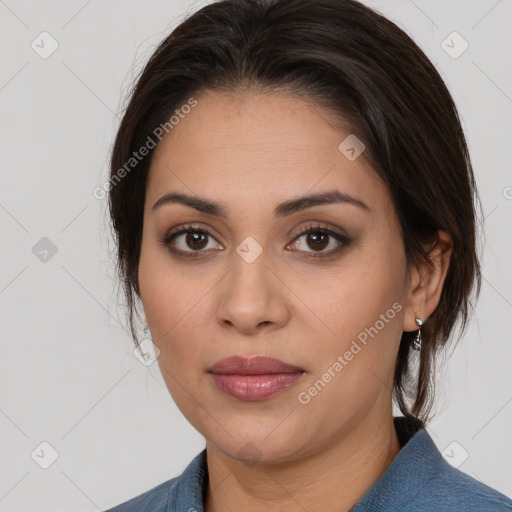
[(416, 344)]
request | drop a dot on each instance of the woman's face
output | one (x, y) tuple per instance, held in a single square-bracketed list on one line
[(333, 308)]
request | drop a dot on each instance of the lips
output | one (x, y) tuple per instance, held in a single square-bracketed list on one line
[(258, 365), (255, 378)]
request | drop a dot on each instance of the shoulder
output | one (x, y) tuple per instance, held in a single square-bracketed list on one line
[(183, 492), (452, 489), (436, 486), (421, 479), (153, 500)]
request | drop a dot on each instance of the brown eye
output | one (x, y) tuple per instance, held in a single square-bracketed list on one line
[(317, 240), (189, 242), (313, 240), (196, 240), (192, 242)]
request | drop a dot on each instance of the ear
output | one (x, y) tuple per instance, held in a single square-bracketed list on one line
[(426, 281)]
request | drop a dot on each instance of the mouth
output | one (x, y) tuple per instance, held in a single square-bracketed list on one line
[(253, 378)]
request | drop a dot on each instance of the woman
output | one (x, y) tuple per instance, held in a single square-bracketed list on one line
[(294, 207)]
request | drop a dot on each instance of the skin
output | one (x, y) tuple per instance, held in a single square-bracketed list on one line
[(251, 152)]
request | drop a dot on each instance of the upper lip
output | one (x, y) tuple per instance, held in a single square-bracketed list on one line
[(238, 365)]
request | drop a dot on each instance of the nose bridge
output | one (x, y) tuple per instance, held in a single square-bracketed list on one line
[(249, 277), (251, 293)]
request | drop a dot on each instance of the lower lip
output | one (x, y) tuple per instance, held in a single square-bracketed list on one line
[(254, 387)]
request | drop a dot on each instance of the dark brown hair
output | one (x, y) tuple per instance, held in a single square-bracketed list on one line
[(365, 70)]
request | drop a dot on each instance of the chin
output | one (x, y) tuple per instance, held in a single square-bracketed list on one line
[(256, 446)]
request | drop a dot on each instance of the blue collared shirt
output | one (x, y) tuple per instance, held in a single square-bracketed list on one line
[(419, 479)]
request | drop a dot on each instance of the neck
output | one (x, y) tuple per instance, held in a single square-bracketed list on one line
[(339, 474)]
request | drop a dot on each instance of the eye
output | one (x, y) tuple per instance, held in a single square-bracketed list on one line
[(190, 241), (318, 238)]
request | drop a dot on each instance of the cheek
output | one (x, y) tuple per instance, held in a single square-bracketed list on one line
[(362, 306), (174, 300), (167, 292), (354, 366), (348, 299)]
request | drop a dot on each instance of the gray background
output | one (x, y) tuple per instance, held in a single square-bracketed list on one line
[(68, 374)]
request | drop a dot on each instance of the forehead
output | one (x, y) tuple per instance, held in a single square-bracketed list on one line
[(258, 147)]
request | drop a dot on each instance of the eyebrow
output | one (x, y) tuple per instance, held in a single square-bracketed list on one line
[(282, 210)]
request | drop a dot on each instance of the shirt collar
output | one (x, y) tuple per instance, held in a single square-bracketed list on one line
[(190, 490), (417, 462)]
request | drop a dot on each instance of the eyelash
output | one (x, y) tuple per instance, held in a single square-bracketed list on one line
[(312, 228)]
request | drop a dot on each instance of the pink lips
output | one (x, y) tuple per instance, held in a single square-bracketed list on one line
[(255, 378)]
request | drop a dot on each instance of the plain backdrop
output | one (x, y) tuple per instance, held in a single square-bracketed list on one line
[(73, 397)]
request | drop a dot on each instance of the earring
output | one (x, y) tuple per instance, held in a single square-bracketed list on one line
[(416, 344)]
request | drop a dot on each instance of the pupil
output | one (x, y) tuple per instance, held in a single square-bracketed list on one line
[(318, 237), (195, 238)]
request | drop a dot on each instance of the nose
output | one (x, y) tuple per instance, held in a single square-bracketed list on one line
[(253, 297)]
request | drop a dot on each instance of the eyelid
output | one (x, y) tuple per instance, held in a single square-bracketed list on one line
[(321, 226), (313, 227), (183, 229), (190, 227)]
